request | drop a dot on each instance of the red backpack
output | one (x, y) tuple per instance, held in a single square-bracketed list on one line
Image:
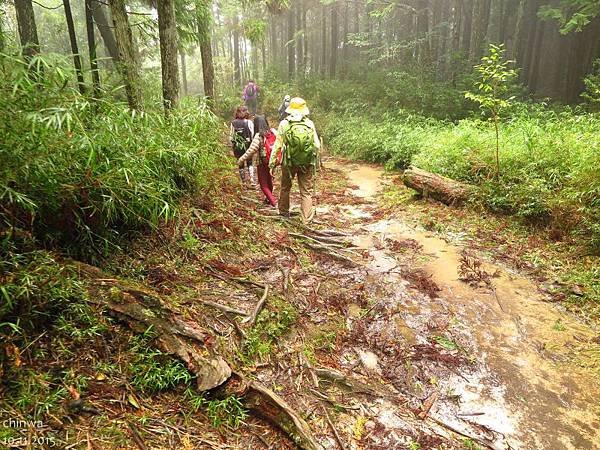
[(269, 142)]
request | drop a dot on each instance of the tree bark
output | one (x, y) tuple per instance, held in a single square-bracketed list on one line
[(481, 20), (74, 47), (128, 60), (440, 188), (184, 82), (27, 28), (204, 41), (467, 27), (323, 67), (334, 40), (167, 32), (424, 54), (291, 51), (237, 74), (108, 37), (91, 37)]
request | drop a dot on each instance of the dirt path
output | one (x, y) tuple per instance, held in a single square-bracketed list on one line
[(497, 361)]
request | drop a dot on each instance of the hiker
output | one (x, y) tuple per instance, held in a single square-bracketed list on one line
[(283, 107), (250, 95), (240, 136), (262, 145), (297, 139)]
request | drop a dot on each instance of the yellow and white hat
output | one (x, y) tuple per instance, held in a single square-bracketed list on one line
[(298, 106)]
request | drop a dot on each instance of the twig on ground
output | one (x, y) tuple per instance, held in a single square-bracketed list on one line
[(136, 436), (329, 252), (224, 308), (317, 240), (333, 428)]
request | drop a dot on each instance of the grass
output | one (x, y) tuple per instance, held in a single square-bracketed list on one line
[(151, 370), (272, 323)]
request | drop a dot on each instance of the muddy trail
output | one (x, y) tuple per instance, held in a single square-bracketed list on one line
[(407, 339)]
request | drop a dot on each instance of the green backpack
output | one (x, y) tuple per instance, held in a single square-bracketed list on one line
[(300, 149)]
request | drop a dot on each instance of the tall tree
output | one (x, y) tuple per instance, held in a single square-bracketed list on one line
[(128, 59), (204, 21), (167, 33), (74, 46), (91, 38), (467, 9), (291, 43), (334, 40), (237, 75), (323, 39), (27, 27), (100, 13), (481, 20)]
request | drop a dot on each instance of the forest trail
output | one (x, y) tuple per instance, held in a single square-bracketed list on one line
[(513, 371)]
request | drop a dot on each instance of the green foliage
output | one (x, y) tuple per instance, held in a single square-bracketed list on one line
[(255, 30), (272, 323), (152, 370), (592, 88), (493, 84), (76, 173), (36, 291), (572, 15), (229, 412)]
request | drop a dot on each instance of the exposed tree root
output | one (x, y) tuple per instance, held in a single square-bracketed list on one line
[(141, 309), (271, 407)]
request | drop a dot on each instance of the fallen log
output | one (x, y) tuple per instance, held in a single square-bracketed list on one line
[(445, 190), (141, 308)]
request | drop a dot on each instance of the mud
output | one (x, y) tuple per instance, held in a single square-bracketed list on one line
[(510, 368)]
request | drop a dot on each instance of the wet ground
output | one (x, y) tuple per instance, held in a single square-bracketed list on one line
[(473, 339)]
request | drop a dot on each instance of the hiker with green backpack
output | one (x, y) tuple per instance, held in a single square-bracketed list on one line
[(297, 139)]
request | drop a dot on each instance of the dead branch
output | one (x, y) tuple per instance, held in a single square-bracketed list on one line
[(317, 241), (329, 252), (136, 436), (427, 405), (333, 428)]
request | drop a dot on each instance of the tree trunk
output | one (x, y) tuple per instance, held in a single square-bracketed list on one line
[(481, 20), (440, 188), (467, 27), (74, 47), (167, 32), (423, 31), (291, 44), (27, 28), (105, 28), (204, 41), (128, 61), (456, 25), (91, 37), (323, 68), (334, 40), (346, 28), (237, 75), (183, 72)]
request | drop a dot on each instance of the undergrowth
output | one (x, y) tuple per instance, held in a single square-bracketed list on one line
[(77, 173)]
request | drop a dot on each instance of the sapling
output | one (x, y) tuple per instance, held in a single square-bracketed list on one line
[(492, 88)]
